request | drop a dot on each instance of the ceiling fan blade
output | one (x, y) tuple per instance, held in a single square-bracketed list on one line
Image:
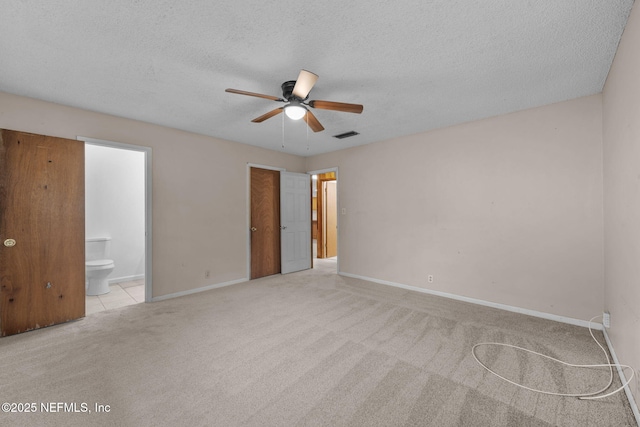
[(306, 80), (313, 123), (259, 95), (337, 106), (268, 115)]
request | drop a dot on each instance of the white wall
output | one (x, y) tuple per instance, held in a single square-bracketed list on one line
[(621, 126), (114, 206), (506, 210)]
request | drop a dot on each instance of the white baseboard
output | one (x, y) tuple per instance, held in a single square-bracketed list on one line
[(195, 291), (125, 279), (543, 315), (623, 378)]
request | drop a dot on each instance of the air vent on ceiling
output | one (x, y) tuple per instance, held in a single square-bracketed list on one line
[(346, 134)]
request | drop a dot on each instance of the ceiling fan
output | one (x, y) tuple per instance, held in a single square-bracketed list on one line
[(295, 94)]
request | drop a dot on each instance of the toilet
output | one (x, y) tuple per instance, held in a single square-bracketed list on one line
[(97, 265)]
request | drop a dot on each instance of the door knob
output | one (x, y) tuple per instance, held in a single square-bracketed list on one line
[(254, 229), (9, 243)]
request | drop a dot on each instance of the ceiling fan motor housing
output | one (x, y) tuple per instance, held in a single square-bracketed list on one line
[(287, 91)]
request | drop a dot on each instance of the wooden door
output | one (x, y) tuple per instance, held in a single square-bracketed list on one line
[(331, 219), (265, 222), (295, 208), (42, 274)]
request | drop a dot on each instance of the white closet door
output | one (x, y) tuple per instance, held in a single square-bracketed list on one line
[(295, 221)]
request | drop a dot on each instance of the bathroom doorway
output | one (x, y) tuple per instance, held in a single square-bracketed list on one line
[(117, 208)]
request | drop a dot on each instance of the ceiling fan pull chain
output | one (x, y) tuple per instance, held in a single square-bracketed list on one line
[(283, 131), (307, 138)]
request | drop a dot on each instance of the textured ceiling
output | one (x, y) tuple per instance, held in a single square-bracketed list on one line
[(415, 65)]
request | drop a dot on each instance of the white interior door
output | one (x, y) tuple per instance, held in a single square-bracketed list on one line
[(295, 221)]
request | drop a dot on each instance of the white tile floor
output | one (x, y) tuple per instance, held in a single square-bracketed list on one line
[(122, 294)]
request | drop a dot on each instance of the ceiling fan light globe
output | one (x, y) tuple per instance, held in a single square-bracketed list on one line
[(295, 112)]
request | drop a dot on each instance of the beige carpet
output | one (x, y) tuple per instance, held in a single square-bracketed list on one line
[(305, 349)]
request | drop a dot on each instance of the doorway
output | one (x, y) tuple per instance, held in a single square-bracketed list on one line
[(325, 217), (330, 219), (118, 208)]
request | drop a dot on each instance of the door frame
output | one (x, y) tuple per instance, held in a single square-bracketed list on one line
[(321, 171), (248, 210), (148, 260)]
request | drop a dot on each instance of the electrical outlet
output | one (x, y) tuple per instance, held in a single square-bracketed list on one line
[(606, 319), (207, 273), (430, 278)]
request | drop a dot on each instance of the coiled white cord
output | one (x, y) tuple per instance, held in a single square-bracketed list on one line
[(582, 396)]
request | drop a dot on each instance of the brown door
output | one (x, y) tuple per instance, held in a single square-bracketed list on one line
[(265, 222), (41, 231)]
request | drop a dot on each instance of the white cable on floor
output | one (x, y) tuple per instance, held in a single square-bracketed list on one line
[(582, 396)]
